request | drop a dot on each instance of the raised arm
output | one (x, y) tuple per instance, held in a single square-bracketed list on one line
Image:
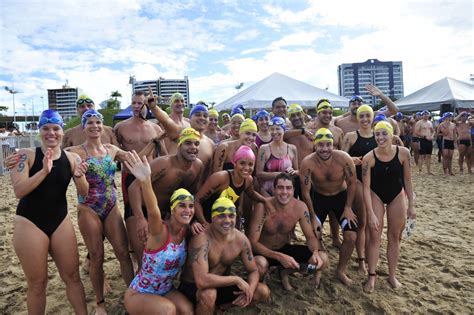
[(171, 128), (392, 109), (141, 170)]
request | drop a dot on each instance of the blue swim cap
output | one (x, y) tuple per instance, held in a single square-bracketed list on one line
[(88, 114), (379, 117), (418, 114), (278, 121), (399, 115), (50, 116), (261, 114), (357, 98), (425, 112), (198, 109), (237, 109)]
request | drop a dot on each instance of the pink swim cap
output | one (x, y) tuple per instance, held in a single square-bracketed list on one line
[(243, 152)]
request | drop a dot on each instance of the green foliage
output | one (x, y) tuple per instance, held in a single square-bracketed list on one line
[(3, 108), (113, 103), (108, 118)]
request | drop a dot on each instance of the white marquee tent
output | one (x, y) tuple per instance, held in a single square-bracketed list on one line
[(261, 94), (445, 91)]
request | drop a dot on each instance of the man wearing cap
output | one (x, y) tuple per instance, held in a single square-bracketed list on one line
[(415, 141), (401, 127), (177, 110), (464, 127), (76, 136), (324, 112), (447, 129), (206, 280), (425, 132), (332, 175), (349, 123), (168, 173), (199, 120), (270, 232)]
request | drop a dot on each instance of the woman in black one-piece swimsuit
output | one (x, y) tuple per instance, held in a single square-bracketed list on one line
[(41, 226)]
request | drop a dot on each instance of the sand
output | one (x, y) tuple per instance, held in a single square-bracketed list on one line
[(436, 264)]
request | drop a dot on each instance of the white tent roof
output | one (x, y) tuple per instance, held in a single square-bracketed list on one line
[(445, 91), (261, 94)]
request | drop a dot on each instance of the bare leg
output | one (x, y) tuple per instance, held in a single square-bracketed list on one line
[(373, 249), (143, 303), (344, 256), (462, 152), (428, 163), (359, 208), (285, 278), (137, 245), (63, 249), (396, 215), (182, 304), (31, 246), (206, 301), (450, 162), (445, 162), (334, 228), (114, 230)]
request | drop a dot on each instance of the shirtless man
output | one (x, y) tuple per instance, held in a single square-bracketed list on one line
[(415, 141), (270, 232), (136, 133), (168, 173), (177, 111), (279, 108), (425, 132), (324, 114), (401, 126), (447, 129), (76, 136), (349, 123), (333, 178), (464, 136), (199, 119), (206, 280)]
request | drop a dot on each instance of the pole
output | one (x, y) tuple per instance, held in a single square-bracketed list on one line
[(14, 112)]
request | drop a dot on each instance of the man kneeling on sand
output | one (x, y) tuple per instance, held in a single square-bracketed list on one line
[(206, 280), (270, 233)]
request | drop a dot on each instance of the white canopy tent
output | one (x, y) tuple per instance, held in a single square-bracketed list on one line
[(261, 94), (445, 91)]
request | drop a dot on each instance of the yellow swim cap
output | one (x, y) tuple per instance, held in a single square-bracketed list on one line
[(294, 108), (178, 195), (213, 113), (323, 105), (384, 125), (238, 116), (223, 206), (365, 109), (176, 96), (83, 98), (323, 134), (188, 134), (248, 125)]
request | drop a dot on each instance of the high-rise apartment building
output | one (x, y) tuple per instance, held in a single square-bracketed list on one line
[(386, 75), (64, 100), (164, 87)]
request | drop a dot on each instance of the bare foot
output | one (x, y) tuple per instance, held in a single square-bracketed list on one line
[(107, 287), (316, 280), (394, 283), (100, 308), (362, 267), (369, 286), (343, 278), (285, 280), (86, 264)]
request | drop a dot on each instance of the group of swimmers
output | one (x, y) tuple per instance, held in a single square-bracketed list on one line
[(198, 196)]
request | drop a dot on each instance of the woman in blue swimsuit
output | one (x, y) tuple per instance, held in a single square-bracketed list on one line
[(98, 213), (386, 176), (152, 290), (41, 225)]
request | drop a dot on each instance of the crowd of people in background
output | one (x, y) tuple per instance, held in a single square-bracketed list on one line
[(198, 196)]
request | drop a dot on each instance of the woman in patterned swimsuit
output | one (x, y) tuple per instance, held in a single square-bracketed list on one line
[(98, 213), (152, 291)]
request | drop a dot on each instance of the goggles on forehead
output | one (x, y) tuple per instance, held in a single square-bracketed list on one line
[(84, 100), (221, 210), (52, 120), (89, 115), (324, 107), (323, 135), (183, 198), (276, 122)]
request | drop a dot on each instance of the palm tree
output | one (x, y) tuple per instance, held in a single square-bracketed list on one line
[(115, 94), (114, 103)]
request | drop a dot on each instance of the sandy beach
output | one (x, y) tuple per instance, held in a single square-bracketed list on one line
[(436, 264)]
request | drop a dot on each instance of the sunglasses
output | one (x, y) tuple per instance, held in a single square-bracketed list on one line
[(52, 120), (84, 100), (223, 209), (323, 135), (183, 198)]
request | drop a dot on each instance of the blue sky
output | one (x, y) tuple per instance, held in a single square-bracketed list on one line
[(96, 45)]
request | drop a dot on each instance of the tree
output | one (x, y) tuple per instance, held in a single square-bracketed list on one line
[(3, 108), (112, 102)]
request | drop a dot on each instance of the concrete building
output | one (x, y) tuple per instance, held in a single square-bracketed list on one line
[(386, 75), (64, 100), (164, 87)]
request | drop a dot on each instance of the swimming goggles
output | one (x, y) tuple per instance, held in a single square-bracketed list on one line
[(52, 120), (323, 135), (84, 100)]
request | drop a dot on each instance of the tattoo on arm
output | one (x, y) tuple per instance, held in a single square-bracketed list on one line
[(260, 225), (262, 156), (248, 251), (159, 175), (348, 170), (194, 252), (221, 158), (365, 169), (306, 177), (306, 215), (21, 164)]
